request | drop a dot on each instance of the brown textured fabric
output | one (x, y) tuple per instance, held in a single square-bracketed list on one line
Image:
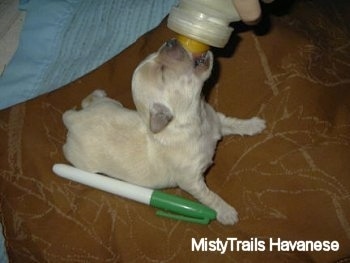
[(292, 181)]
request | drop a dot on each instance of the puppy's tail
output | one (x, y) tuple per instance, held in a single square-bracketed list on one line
[(94, 96)]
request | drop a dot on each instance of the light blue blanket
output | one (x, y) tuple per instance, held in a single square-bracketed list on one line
[(3, 254), (65, 39)]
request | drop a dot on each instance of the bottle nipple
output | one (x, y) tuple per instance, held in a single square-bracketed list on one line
[(195, 47)]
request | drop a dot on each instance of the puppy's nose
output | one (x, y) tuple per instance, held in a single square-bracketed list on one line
[(171, 43)]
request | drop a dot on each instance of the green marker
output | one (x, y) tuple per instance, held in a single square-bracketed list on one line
[(171, 206)]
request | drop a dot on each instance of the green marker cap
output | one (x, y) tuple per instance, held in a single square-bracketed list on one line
[(180, 208)]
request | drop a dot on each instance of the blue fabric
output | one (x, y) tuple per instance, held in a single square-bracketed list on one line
[(3, 254), (62, 40)]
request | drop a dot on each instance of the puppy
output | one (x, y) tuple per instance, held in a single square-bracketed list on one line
[(169, 140)]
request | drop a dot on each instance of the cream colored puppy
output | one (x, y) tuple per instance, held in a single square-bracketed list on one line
[(169, 141)]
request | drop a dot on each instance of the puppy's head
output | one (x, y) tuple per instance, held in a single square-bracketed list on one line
[(167, 85)]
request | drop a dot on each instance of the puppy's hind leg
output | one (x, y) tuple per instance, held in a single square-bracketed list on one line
[(231, 126)]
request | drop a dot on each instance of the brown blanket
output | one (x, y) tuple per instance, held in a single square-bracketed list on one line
[(291, 182)]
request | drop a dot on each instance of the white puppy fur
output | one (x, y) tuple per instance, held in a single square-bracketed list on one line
[(169, 140)]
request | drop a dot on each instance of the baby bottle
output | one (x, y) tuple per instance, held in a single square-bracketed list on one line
[(202, 23)]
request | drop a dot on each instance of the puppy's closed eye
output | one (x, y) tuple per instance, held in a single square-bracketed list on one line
[(203, 64), (202, 61)]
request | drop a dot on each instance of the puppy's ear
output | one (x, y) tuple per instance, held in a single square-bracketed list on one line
[(160, 117)]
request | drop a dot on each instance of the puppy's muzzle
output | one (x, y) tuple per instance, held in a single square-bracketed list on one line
[(172, 49)]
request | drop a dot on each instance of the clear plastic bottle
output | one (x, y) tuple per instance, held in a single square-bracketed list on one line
[(203, 23)]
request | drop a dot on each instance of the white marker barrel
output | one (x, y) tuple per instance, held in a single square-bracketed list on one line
[(104, 183)]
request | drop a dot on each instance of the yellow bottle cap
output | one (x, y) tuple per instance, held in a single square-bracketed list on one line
[(192, 45)]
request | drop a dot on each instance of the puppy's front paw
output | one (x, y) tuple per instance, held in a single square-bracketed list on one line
[(227, 215), (254, 126)]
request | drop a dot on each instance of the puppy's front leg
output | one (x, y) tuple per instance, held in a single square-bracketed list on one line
[(231, 126), (226, 214)]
